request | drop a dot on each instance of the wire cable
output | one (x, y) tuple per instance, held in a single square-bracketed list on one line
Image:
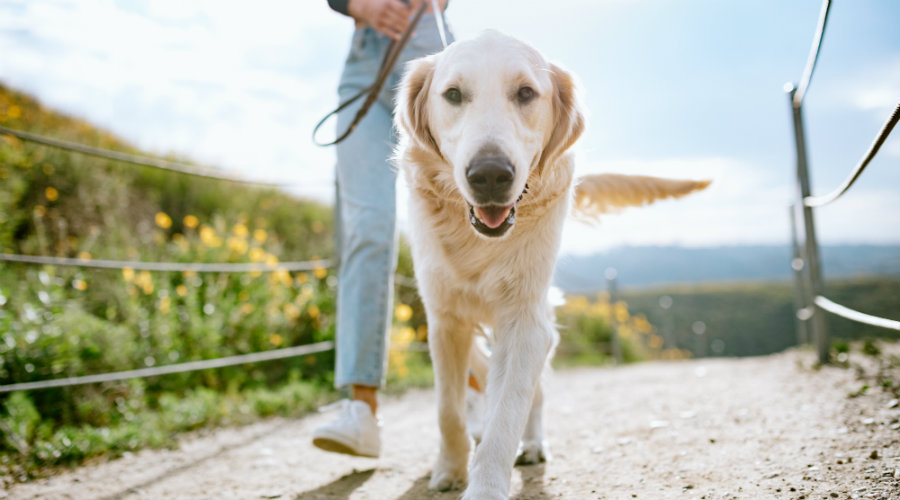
[(200, 267), (241, 359), (145, 161), (813, 55), (818, 201), (846, 312)]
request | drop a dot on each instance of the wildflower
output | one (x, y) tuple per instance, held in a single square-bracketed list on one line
[(403, 312), (79, 284), (247, 308), (40, 211), (209, 237), (237, 245), (14, 112), (51, 193), (313, 311), (164, 304), (84, 255), (320, 272), (240, 230), (190, 221), (271, 260), (163, 220), (128, 274), (276, 339), (257, 254), (181, 290), (291, 311), (260, 235)]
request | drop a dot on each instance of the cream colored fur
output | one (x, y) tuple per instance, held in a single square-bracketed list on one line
[(468, 280)]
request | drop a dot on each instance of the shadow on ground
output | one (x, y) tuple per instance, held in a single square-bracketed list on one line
[(344, 486)]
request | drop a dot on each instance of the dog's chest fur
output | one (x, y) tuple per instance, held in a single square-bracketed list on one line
[(455, 265)]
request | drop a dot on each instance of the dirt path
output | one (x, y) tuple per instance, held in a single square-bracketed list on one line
[(757, 428)]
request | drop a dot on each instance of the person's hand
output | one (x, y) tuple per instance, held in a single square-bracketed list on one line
[(389, 17)]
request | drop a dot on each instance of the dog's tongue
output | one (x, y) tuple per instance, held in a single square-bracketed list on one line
[(493, 215)]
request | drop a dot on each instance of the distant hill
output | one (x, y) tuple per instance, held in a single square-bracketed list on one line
[(644, 266)]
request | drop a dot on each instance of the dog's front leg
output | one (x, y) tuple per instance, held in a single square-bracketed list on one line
[(523, 340), (449, 342)]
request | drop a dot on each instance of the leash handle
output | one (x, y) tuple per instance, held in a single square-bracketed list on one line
[(371, 92)]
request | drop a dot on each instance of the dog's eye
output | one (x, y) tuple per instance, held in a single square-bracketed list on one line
[(525, 95), (453, 95)]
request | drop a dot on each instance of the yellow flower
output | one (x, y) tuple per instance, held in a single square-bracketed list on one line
[(237, 245), (84, 255), (163, 220), (79, 285), (422, 333), (209, 238), (291, 311), (128, 274), (51, 193), (257, 254), (271, 260), (14, 111), (260, 235), (164, 304), (39, 211), (276, 339), (403, 312), (181, 290), (313, 311), (240, 230), (301, 278), (320, 272), (247, 308), (190, 221)]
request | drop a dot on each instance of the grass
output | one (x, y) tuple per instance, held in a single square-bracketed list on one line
[(62, 321)]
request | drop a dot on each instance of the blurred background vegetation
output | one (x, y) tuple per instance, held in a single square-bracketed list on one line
[(60, 322)]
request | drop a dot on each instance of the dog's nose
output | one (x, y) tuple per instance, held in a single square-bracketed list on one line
[(490, 178)]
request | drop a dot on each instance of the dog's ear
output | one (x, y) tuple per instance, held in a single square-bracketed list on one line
[(411, 111), (567, 117)]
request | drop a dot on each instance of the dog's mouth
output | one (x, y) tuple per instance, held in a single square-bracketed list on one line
[(494, 220)]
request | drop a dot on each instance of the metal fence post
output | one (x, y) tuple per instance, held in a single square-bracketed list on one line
[(615, 341), (801, 297), (812, 267)]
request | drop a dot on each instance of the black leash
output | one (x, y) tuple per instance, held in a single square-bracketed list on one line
[(371, 92)]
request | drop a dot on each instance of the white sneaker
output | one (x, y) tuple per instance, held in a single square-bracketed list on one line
[(475, 407), (355, 432)]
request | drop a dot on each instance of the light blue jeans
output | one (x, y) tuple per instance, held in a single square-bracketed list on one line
[(365, 207)]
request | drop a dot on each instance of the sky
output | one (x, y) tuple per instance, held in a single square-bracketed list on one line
[(675, 88)]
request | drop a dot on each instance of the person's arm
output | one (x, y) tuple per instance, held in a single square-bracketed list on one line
[(389, 17)]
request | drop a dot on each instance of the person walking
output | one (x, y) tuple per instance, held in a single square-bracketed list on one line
[(365, 216)]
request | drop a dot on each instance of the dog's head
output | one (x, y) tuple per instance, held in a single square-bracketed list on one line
[(494, 111)]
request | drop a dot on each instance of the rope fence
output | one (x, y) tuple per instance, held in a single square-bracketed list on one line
[(806, 262), (144, 161), (199, 267)]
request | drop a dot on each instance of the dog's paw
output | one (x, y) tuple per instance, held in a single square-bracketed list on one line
[(473, 493), (534, 452), (445, 478)]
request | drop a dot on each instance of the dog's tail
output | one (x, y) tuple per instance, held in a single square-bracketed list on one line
[(603, 193)]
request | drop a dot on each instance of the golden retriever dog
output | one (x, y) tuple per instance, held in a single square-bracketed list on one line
[(485, 128)]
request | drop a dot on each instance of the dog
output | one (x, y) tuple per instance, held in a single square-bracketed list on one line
[(486, 128)]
